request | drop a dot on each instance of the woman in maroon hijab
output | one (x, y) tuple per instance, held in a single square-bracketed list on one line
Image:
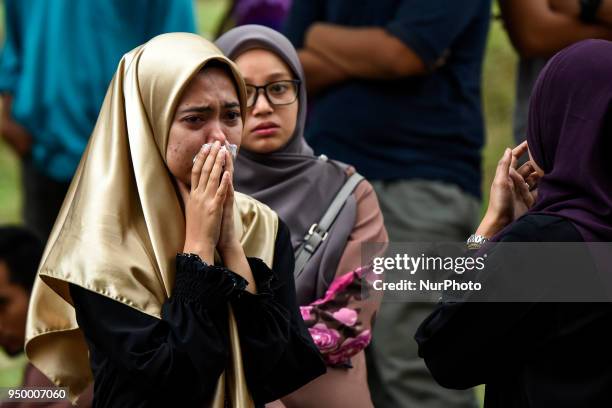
[(537, 354)]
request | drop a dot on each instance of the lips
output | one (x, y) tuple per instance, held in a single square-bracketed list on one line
[(265, 128)]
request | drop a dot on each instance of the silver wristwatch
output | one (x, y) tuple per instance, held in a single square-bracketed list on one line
[(476, 241)]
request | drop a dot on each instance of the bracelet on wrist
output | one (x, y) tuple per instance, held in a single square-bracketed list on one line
[(476, 241)]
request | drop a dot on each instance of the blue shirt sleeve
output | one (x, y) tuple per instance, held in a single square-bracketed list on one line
[(430, 27), (302, 15), (10, 59)]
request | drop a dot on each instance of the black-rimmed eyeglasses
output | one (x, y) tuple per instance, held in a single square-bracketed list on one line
[(277, 92)]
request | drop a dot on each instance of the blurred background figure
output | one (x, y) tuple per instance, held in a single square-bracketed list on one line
[(20, 253), (398, 86), (540, 28), (269, 13), (57, 61)]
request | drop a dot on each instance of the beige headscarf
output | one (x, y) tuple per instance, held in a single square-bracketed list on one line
[(121, 224)]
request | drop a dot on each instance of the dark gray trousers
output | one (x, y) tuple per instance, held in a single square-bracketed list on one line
[(415, 211)]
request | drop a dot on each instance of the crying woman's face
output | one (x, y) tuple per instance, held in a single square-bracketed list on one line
[(208, 111)]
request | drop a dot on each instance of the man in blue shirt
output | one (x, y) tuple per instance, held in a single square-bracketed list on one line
[(58, 59), (397, 94)]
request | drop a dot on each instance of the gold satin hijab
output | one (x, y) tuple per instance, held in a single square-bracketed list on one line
[(121, 224)]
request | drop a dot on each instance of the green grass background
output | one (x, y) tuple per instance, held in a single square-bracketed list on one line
[(498, 99)]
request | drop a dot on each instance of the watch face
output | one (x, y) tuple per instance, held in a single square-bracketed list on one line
[(477, 239)]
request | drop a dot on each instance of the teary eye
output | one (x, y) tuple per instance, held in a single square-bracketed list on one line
[(193, 119), (232, 115)]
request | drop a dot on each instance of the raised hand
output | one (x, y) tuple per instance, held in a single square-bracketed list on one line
[(227, 237), (229, 246), (513, 192), (204, 201)]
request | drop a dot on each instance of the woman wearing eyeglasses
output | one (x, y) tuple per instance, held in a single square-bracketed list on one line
[(277, 167)]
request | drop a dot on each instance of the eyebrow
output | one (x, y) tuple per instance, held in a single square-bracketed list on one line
[(275, 76), (278, 75), (206, 109)]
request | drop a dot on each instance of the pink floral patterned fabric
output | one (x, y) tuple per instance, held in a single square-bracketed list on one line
[(343, 317), (337, 322)]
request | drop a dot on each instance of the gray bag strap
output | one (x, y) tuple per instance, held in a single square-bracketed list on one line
[(318, 231)]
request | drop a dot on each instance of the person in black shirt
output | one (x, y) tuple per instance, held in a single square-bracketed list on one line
[(539, 354), (142, 361)]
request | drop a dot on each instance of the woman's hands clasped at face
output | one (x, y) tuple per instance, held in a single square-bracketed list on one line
[(513, 191), (227, 235), (209, 212), (208, 202)]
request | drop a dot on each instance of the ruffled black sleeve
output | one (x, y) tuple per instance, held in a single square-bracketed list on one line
[(279, 355), (141, 361)]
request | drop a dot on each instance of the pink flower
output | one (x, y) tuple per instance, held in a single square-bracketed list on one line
[(346, 316), (349, 348), (326, 339), (305, 310), (341, 282), (338, 285)]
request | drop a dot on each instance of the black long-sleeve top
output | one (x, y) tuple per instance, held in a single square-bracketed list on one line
[(529, 355), (140, 361)]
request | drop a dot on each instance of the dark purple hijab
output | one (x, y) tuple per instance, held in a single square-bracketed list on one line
[(570, 137)]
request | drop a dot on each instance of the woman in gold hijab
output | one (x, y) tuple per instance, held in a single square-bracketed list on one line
[(170, 287)]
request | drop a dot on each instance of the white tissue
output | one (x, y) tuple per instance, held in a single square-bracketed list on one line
[(233, 149)]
